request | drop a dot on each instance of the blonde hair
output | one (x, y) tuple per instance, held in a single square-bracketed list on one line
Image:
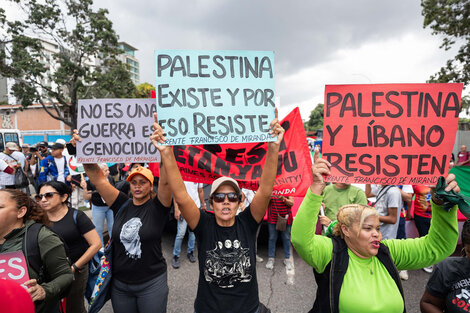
[(350, 214)]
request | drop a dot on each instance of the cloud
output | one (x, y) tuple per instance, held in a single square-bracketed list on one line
[(315, 42)]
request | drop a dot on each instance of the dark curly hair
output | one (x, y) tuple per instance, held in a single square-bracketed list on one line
[(466, 233), (33, 211)]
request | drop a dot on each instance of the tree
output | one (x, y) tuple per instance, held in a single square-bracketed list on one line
[(450, 18), (143, 90), (82, 63), (315, 120)]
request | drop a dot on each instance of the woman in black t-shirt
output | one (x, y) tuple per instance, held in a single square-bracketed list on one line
[(139, 276), (447, 288), (78, 233), (226, 241)]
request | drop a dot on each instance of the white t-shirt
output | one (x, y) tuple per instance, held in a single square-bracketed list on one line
[(193, 191), (60, 168)]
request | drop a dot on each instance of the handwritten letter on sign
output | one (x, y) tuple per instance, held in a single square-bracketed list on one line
[(13, 266), (210, 97), (116, 131), (390, 134)]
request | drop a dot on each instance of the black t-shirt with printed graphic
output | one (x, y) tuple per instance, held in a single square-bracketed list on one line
[(451, 281), (72, 233), (227, 265), (137, 245)]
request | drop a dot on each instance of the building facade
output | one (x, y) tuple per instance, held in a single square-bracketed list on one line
[(128, 58)]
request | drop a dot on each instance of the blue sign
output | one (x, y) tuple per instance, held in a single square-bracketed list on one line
[(211, 97)]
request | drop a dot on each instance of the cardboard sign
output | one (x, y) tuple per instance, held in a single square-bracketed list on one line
[(392, 134), (211, 97), (13, 266), (245, 162), (116, 131)]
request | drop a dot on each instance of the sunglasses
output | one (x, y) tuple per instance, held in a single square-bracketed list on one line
[(48, 195), (220, 197)]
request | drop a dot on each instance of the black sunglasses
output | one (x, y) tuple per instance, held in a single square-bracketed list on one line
[(220, 197), (48, 195)]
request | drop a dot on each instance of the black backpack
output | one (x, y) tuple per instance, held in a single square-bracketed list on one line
[(30, 247)]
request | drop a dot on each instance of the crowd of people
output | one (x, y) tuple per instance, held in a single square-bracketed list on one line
[(359, 254)]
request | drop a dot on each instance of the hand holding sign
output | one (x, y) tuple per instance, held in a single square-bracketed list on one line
[(320, 168), (158, 136), (276, 130), (35, 290)]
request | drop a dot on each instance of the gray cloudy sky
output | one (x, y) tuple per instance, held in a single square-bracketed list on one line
[(315, 42)]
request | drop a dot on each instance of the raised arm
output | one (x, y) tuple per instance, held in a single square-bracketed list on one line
[(107, 191), (438, 244), (261, 199), (173, 178), (316, 250)]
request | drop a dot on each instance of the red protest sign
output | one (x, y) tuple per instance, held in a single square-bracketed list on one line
[(390, 134), (13, 266), (244, 161)]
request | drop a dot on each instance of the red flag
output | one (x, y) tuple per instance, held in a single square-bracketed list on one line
[(244, 161)]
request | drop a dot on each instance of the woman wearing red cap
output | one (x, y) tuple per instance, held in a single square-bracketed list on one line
[(139, 276), (225, 241)]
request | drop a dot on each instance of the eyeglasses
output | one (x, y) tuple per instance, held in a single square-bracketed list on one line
[(48, 195), (220, 197)]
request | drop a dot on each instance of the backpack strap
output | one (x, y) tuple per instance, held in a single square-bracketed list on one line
[(30, 247), (75, 213)]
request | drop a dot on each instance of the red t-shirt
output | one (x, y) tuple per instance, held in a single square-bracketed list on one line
[(422, 202)]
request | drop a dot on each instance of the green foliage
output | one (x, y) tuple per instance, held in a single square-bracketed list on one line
[(143, 90), (81, 61), (315, 120), (450, 19)]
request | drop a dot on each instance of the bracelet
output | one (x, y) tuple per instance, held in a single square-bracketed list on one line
[(76, 268)]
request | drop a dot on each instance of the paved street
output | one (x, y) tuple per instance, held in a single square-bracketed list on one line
[(280, 291)]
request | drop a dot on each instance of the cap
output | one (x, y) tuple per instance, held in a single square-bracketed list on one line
[(12, 146), (25, 145), (61, 141), (14, 298), (57, 146), (141, 171), (42, 144), (224, 180)]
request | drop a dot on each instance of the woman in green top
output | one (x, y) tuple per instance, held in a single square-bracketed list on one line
[(355, 270), (18, 213)]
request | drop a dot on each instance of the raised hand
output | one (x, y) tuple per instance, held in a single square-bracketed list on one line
[(276, 129), (75, 137), (158, 135), (319, 168)]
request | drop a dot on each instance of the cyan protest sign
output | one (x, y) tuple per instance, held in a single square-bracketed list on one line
[(211, 97)]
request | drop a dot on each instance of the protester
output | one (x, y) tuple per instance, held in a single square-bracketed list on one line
[(355, 270), (54, 166), (406, 192), (422, 213), (196, 193), (100, 212), (335, 196), (447, 288), (279, 213), (139, 274), (77, 231), (225, 241), (463, 157), (14, 159), (388, 204), (18, 213)]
